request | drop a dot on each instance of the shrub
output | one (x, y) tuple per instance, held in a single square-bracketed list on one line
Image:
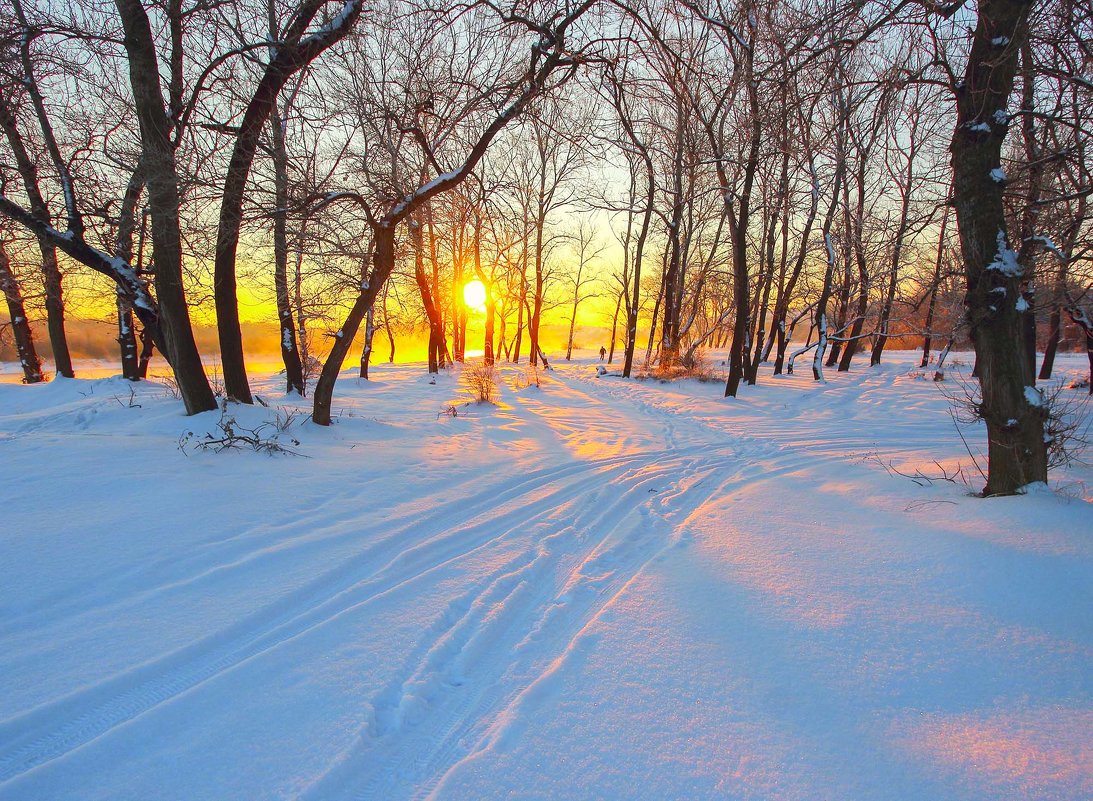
[(480, 380)]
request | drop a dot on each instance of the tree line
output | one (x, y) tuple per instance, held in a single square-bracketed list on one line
[(789, 181)]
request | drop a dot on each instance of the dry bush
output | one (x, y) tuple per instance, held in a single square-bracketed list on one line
[(170, 386), (480, 379), (311, 368), (216, 380), (1066, 424), (529, 378), (696, 366), (286, 417), (234, 436)]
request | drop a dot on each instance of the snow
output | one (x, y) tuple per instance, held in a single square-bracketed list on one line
[(336, 24), (1005, 260), (998, 175), (1048, 243), (1034, 397), (425, 189), (597, 589)]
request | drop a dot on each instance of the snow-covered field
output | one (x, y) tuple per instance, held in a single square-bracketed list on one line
[(598, 589)]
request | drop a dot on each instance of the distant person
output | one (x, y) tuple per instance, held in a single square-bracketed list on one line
[(603, 352)]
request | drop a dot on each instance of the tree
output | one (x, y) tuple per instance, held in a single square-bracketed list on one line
[(1014, 411), (295, 48), (161, 180), (20, 325), (549, 54), (586, 250)]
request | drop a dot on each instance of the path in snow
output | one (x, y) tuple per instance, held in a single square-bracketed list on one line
[(600, 589)]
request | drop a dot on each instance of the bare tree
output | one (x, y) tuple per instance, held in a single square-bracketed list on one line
[(1013, 410), (582, 279), (20, 325), (549, 54)]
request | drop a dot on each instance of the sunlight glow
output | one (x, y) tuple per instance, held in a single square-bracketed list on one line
[(474, 295)]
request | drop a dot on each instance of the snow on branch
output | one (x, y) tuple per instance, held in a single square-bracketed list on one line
[(130, 284)]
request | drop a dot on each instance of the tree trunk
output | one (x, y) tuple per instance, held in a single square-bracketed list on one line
[(123, 249), (781, 305), (537, 299), (161, 178), (906, 190), (669, 345), (294, 51), (1083, 321), (934, 286), (1013, 410), (615, 326), (369, 335), (767, 281), (653, 319), (432, 311), (1054, 334), (829, 248), (20, 326), (290, 351), (383, 261), (51, 273)]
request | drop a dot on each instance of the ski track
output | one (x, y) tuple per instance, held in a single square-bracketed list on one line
[(515, 631), (93, 712), (495, 648)]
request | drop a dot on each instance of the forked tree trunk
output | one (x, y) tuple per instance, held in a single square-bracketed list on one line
[(856, 227), (51, 273), (161, 179), (829, 249), (906, 190), (781, 305), (294, 51)]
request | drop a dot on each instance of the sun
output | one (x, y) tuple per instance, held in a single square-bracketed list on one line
[(474, 295)]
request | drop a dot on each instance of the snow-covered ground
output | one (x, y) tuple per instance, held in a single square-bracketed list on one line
[(598, 589)]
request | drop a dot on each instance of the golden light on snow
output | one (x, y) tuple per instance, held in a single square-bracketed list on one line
[(1023, 753), (474, 295)]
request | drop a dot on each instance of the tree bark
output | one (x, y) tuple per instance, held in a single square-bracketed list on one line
[(1012, 409), (161, 178), (290, 351), (51, 272), (20, 326), (123, 249)]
